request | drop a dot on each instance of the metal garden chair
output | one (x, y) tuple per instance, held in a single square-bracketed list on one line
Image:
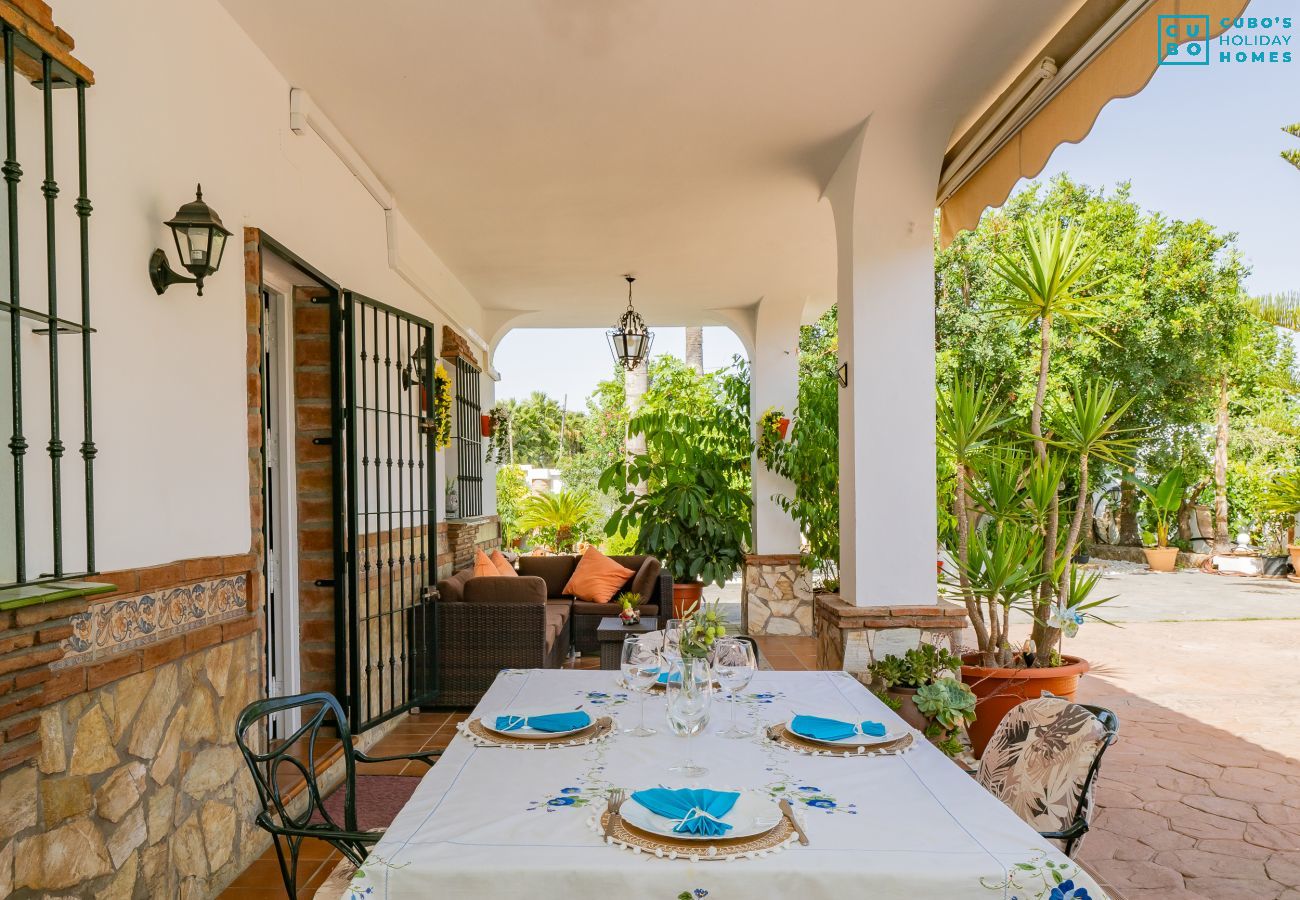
[(294, 819), (1043, 761)]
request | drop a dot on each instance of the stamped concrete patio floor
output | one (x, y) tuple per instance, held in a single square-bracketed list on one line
[(1200, 797)]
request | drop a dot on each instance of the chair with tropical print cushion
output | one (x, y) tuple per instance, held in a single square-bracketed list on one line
[(1042, 763)]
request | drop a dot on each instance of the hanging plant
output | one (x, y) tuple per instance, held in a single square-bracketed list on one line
[(440, 415), (772, 426), (497, 446)]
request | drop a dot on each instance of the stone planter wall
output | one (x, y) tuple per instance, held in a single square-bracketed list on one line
[(142, 791), (852, 637), (776, 595)]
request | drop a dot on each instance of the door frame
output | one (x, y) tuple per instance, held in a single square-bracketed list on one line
[(281, 505)]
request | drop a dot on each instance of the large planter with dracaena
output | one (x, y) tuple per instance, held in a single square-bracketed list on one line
[(688, 495), (1016, 529)]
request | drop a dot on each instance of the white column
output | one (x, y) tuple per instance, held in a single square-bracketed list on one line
[(883, 197), (774, 383)]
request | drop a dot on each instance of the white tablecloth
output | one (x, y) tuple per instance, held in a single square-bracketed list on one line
[(496, 822)]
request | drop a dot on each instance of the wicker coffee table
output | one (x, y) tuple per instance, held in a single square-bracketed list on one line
[(611, 632)]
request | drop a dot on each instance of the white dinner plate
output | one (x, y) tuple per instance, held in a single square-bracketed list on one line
[(857, 740), (489, 721), (755, 813)]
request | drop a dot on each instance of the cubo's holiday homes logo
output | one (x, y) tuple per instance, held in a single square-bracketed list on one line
[(1184, 40)]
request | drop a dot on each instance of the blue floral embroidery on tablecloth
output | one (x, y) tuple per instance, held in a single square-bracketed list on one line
[(562, 801), (696, 894), (1041, 878), (602, 698)]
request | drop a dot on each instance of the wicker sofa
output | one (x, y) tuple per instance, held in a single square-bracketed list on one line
[(649, 580), (491, 623)]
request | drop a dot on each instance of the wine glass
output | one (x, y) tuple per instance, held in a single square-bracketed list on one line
[(733, 666), (641, 666), (672, 640), (690, 691)]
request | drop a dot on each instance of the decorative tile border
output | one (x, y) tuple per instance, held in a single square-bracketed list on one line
[(118, 625)]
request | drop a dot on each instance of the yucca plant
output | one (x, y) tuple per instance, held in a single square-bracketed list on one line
[(1002, 572)]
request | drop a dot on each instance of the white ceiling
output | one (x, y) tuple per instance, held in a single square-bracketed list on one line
[(545, 147)]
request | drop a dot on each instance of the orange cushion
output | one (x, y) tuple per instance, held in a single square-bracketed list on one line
[(483, 565), (503, 565), (597, 578)]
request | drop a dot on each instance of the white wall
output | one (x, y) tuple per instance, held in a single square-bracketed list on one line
[(183, 95)]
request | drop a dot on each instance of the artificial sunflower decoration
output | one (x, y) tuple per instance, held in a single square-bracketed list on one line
[(440, 418)]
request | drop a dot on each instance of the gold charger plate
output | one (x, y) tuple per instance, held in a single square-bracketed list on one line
[(597, 730), (633, 838), (782, 735)]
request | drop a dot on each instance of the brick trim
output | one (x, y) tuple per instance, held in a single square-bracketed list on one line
[(835, 612), (457, 346), (772, 559)]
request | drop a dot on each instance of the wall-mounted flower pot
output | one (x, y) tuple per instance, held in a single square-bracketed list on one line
[(1161, 559), (486, 423), (998, 691), (782, 426)]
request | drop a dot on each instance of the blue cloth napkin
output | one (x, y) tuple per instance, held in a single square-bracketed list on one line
[(693, 810), (674, 677), (833, 729), (564, 721)]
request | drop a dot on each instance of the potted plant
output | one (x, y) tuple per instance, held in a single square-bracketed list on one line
[(899, 678), (1165, 498), (948, 705), (1283, 501), (1015, 528), (689, 492), (772, 428)]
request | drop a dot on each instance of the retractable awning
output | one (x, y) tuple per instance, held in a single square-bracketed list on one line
[(1107, 50)]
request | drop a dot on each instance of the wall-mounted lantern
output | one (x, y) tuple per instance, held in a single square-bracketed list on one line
[(200, 240)]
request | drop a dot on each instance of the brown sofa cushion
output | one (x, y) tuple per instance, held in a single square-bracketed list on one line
[(557, 570), (583, 608), (452, 588), (505, 589), (557, 619), (554, 570)]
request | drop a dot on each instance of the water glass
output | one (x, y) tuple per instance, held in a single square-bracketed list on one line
[(641, 666), (672, 640), (690, 693), (733, 666)]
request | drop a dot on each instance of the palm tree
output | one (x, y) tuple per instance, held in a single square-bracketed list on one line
[(1049, 288), (967, 420), (1292, 156), (557, 516)]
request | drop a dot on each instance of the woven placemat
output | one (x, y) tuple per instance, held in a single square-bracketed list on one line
[(484, 737), (721, 850), (780, 734)]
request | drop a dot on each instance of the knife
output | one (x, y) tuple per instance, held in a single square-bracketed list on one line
[(789, 814)]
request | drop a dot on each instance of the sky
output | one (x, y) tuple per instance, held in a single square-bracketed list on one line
[(1197, 142)]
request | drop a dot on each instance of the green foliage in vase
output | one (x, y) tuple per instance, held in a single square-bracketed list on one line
[(694, 511), (701, 626)]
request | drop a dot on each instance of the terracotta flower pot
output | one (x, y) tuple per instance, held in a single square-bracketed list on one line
[(908, 711), (782, 426), (486, 424), (997, 691), (1161, 559), (685, 596), (1293, 550)]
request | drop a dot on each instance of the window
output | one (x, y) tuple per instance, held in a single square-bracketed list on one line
[(46, 493), (469, 440)]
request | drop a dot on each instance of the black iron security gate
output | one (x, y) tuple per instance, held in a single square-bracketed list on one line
[(384, 526)]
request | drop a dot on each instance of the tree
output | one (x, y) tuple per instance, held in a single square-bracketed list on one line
[(1292, 155), (1172, 301), (695, 348), (535, 429), (511, 491), (810, 458), (559, 520), (694, 511)]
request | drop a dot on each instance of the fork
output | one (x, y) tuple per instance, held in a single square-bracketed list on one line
[(616, 798)]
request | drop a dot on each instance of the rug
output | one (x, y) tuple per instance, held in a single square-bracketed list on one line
[(379, 799)]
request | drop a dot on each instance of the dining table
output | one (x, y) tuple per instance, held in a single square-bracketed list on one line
[(508, 822)]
